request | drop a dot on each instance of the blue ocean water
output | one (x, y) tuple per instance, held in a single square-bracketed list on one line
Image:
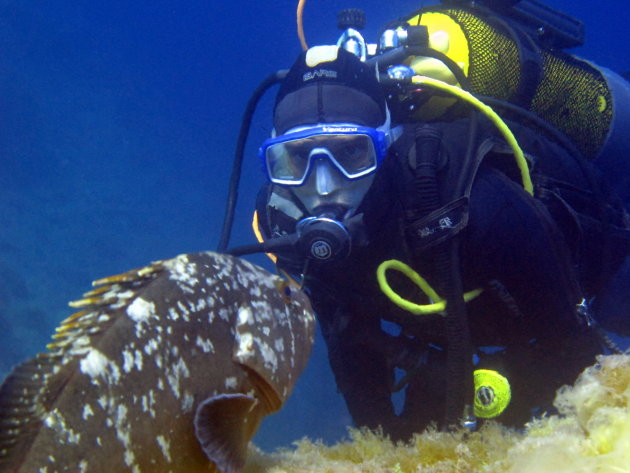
[(118, 123)]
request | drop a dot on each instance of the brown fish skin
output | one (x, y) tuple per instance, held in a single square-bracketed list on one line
[(184, 353)]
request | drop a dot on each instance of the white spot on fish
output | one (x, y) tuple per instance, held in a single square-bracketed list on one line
[(173, 314), (151, 346), (230, 383), (127, 361), (96, 365), (245, 316), (140, 310), (123, 433), (102, 401), (263, 310), (185, 313), (269, 355), (245, 342), (165, 447), (87, 412), (175, 374), (148, 403), (55, 421), (138, 360), (201, 304), (187, 403), (205, 345), (183, 272)]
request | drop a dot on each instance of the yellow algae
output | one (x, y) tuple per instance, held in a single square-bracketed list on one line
[(591, 434)]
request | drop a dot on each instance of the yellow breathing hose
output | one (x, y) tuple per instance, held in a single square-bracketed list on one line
[(467, 97)]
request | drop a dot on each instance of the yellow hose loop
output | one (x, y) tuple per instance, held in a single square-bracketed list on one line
[(492, 393), (417, 309), (300, 24), (494, 118)]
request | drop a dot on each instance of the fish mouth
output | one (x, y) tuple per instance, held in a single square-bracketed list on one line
[(267, 395)]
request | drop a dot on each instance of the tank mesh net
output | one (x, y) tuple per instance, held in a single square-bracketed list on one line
[(572, 96), (494, 67)]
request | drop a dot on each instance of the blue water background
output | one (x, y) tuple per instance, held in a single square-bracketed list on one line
[(118, 123)]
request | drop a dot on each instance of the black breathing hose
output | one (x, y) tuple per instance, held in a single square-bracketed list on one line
[(449, 282), (235, 178), (279, 244)]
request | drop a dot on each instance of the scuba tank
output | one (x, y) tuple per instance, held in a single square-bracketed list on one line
[(512, 52)]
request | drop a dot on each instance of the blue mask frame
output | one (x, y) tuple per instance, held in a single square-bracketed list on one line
[(274, 153)]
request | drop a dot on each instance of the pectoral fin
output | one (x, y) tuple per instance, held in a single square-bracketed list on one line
[(224, 425)]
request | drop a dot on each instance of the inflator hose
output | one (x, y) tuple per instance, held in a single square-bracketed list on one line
[(446, 259), (246, 122)]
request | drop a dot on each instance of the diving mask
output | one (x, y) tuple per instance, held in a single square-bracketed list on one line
[(355, 151)]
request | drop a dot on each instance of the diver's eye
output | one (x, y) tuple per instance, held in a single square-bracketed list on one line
[(298, 151), (349, 150)]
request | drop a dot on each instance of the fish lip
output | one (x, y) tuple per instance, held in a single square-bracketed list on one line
[(267, 395)]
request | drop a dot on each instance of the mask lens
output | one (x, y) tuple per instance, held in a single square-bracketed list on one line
[(288, 162), (354, 154), (286, 165)]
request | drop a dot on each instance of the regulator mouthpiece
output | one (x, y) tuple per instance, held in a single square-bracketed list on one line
[(323, 239)]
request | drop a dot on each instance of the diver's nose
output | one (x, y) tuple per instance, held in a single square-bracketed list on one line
[(324, 176)]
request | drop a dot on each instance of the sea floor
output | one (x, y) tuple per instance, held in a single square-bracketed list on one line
[(591, 434)]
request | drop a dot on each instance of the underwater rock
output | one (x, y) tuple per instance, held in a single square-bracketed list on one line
[(591, 433), (163, 369)]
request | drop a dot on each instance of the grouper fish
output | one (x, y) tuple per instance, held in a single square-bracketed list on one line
[(167, 368)]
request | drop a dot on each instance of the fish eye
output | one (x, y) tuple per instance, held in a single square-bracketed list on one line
[(285, 290)]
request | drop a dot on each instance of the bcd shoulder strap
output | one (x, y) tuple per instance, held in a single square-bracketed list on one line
[(453, 170)]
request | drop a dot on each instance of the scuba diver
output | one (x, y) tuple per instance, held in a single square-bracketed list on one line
[(454, 220)]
